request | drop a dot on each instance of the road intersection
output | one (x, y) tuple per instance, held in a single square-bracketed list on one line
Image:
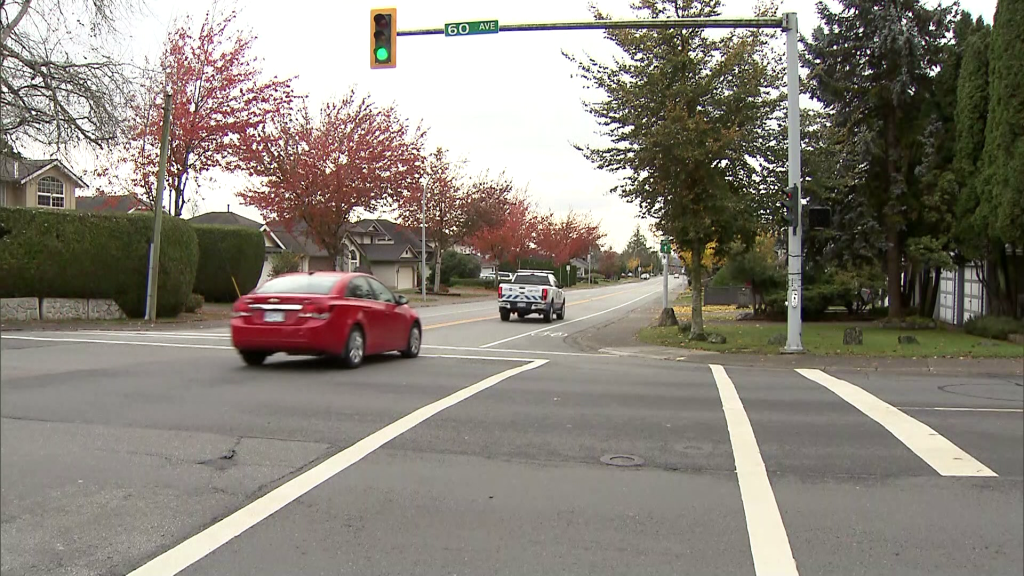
[(158, 452)]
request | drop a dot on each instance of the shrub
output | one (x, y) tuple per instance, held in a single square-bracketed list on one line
[(285, 262), (227, 255), (68, 254), (194, 303), (455, 265), (997, 327)]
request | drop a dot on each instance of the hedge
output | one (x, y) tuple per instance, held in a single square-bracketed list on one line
[(68, 254), (227, 252)]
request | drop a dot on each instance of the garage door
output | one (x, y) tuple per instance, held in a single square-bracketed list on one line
[(406, 278)]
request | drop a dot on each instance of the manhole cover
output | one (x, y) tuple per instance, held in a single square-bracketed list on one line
[(622, 460)]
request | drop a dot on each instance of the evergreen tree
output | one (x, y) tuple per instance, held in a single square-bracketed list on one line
[(872, 67), (1003, 156)]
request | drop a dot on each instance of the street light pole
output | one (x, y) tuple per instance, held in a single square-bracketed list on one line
[(423, 242)]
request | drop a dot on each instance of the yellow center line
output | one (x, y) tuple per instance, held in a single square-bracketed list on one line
[(481, 318)]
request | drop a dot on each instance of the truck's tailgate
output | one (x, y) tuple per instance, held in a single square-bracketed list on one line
[(522, 293)]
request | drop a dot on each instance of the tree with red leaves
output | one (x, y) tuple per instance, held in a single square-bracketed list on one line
[(610, 264), (566, 238), (314, 173), (219, 100), (512, 237), (455, 209)]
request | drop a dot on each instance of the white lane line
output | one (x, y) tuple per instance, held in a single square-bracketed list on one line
[(563, 323), (211, 347), (190, 551), (769, 544), (511, 351), (185, 336), (130, 342), (942, 455), (950, 409)]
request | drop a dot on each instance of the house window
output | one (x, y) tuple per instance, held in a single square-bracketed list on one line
[(50, 192), (353, 260)]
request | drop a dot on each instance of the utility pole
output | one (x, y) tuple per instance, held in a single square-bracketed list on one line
[(794, 345), (158, 205)]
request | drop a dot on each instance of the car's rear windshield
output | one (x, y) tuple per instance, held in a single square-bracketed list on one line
[(299, 285), (532, 279)]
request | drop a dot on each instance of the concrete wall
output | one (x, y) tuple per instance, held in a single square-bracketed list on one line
[(54, 309)]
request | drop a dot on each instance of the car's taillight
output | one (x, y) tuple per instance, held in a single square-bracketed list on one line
[(317, 311), (544, 294), (240, 309), (499, 291)]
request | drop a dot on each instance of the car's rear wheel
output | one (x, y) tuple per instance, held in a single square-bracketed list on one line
[(561, 311), (505, 314), (355, 348), (412, 349), (548, 312), (252, 358)]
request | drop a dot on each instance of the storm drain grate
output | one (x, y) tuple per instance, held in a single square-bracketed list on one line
[(622, 460)]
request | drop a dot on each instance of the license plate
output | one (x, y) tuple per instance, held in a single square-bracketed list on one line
[(523, 305), (273, 316)]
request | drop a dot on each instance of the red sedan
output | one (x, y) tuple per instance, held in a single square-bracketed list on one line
[(338, 314)]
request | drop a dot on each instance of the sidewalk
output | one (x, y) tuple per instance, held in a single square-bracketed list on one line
[(619, 337)]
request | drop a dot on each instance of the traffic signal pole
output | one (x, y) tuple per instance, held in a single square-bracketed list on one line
[(794, 288), (787, 23)]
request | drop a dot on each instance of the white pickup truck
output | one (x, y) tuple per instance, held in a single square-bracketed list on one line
[(531, 292)]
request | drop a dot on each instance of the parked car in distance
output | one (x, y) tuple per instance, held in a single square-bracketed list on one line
[(339, 314), (645, 276)]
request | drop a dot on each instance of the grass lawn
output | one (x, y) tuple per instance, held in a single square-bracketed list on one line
[(826, 338)]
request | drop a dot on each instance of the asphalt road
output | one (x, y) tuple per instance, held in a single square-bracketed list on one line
[(160, 453)]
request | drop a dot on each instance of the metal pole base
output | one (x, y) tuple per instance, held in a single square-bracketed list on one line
[(792, 351)]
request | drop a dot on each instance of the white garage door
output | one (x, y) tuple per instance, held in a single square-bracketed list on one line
[(406, 278)]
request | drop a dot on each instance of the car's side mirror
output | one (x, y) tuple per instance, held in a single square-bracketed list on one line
[(401, 300)]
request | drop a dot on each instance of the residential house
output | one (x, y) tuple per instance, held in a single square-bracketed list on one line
[(30, 183), (393, 252), (112, 204), (582, 268), (295, 238)]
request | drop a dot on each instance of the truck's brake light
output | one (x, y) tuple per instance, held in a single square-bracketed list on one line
[(544, 294), (499, 291)]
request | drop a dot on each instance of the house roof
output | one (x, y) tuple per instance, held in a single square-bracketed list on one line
[(295, 239), (122, 204), (225, 219), (389, 252), (21, 170)]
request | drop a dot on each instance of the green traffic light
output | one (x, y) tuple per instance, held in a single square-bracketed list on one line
[(382, 54)]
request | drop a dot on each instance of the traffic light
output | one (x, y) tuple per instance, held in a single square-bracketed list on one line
[(383, 35), (791, 206)]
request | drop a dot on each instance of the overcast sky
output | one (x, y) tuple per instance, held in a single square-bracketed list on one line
[(504, 102)]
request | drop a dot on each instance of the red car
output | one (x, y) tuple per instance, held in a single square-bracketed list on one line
[(338, 314)]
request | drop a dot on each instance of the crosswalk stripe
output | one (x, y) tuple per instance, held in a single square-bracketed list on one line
[(769, 543), (942, 455)]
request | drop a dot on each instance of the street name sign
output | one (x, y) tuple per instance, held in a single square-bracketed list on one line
[(470, 28)]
